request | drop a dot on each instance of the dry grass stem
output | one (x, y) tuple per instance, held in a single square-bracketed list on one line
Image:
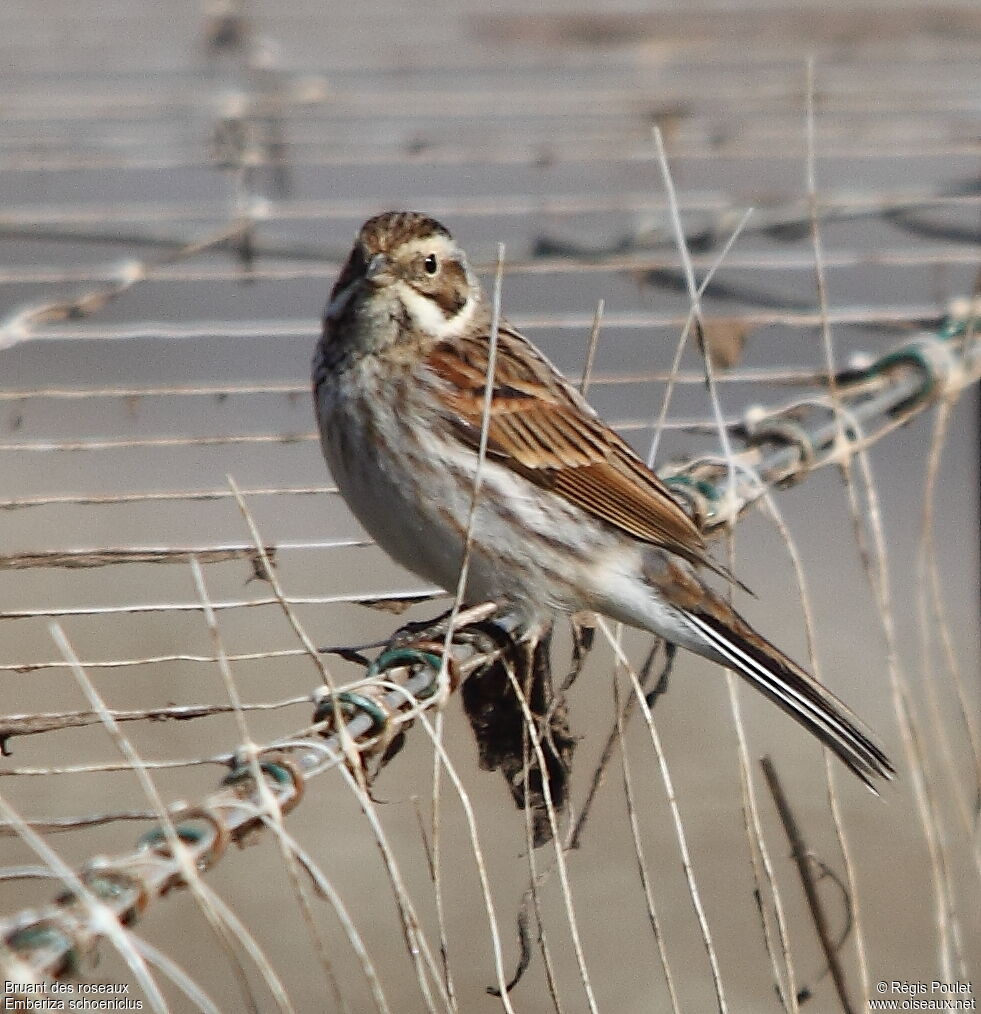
[(662, 763)]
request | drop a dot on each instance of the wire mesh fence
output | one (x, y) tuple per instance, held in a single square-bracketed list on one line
[(180, 184)]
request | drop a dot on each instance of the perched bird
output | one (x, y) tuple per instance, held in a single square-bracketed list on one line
[(568, 518)]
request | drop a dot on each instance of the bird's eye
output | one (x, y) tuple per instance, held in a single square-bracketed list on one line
[(431, 264)]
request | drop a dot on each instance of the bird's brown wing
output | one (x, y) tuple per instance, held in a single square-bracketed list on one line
[(543, 429)]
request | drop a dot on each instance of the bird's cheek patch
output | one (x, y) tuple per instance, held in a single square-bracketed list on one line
[(451, 289)]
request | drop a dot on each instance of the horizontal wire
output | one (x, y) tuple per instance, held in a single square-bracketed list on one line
[(499, 206), (411, 595), (688, 125), (92, 499), (104, 768), (312, 92), (238, 439), (50, 721), (127, 663), (307, 329), (671, 57), (296, 24), (784, 261), (584, 62), (868, 95), (684, 121), (158, 390), (573, 150), (527, 111), (296, 98), (766, 375), (104, 556), (120, 443)]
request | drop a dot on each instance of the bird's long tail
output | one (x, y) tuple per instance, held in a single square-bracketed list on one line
[(734, 642)]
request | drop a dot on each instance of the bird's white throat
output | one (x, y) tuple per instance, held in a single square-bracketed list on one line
[(429, 317)]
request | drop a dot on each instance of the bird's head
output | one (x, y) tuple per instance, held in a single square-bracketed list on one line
[(406, 278)]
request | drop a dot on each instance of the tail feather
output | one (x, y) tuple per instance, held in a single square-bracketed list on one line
[(794, 690)]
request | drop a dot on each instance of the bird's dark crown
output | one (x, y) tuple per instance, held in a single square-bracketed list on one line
[(388, 231)]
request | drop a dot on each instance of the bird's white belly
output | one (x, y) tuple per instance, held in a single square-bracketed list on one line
[(378, 490), (528, 548)]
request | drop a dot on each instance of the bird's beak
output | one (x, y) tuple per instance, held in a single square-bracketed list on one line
[(379, 271)]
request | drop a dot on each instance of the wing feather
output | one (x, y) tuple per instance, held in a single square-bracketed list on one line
[(542, 428)]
